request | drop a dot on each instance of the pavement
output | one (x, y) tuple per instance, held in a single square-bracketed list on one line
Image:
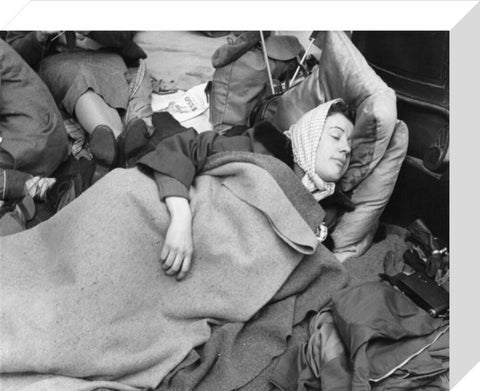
[(182, 59)]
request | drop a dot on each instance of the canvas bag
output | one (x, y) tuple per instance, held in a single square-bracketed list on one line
[(237, 85)]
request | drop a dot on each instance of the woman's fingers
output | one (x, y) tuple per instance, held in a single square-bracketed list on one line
[(170, 259), (164, 252), (185, 266), (176, 265), (176, 259)]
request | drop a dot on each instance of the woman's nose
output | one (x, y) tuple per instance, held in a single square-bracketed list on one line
[(345, 146)]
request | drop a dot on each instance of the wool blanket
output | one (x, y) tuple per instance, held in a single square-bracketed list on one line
[(85, 303), (240, 356)]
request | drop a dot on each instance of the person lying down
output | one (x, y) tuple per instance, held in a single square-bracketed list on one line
[(319, 144), (88, 298)]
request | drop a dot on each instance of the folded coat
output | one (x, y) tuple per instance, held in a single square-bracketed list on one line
[(371, 337), (84, 295)]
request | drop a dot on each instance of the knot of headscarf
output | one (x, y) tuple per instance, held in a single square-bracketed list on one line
[(305, 136)]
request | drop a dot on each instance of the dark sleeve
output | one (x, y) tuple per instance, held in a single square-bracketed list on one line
[(170, 187), (26, 44), (123, 42), (181, 156), (12, 184)]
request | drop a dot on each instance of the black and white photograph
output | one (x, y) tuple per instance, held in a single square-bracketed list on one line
[(252, 209)]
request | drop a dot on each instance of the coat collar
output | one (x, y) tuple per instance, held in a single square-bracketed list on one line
[(274, 141)]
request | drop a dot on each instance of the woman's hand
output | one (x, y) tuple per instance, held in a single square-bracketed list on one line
[(177, 249)]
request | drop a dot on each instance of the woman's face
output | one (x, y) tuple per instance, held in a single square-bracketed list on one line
[(333, 152)]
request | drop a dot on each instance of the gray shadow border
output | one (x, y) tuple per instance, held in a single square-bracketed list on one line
[(464, 187)]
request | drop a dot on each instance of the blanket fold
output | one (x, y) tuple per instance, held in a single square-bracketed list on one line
[(84, 295)]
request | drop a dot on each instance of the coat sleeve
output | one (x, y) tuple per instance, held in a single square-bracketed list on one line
[(181, 156), (27, 45), (170, 187)]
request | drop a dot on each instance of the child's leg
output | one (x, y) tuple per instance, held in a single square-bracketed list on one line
[(91, 110), (103, 125)]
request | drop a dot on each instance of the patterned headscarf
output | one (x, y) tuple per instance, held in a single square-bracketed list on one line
[(305, 136)]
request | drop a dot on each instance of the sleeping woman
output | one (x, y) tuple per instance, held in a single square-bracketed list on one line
[(317, 148), (86, 304)]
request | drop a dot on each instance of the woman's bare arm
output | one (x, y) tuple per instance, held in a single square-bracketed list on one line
[(177, 250)]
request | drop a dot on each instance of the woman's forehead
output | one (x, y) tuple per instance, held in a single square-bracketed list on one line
[(339, 121)]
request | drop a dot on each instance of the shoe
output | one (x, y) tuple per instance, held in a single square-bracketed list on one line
[(103, 146), (15, 220), (26, 207), (132, 139), (10, 224), (72, 180)]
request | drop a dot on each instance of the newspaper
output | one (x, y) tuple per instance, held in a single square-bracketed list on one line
[(190, 107)]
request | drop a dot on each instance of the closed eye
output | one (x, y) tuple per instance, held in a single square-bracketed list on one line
[(336, 135), (336, 132)]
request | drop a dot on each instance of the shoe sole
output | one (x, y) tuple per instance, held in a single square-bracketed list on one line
[(133, 139), (103, 146)]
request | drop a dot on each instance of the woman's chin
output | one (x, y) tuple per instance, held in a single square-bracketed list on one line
[(335, 175)]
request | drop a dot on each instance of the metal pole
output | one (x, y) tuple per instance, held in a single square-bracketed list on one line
[(312, 40), (264, 47)]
